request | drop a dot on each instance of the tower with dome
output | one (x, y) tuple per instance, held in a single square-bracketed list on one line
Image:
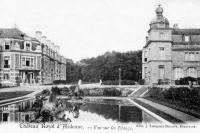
[(170, 53)]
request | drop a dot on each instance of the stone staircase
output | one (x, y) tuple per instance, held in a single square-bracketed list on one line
[(140, 92)]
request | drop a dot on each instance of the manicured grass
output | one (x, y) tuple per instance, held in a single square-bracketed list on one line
[(184, 99), (9, 95), (177, 105)]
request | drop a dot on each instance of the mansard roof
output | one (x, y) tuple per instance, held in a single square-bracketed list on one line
[(14, 33), (186, 31)]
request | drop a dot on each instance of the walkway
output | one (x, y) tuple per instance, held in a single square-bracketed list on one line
[(172, 112)]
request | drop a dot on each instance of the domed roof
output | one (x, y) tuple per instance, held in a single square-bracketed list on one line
[(159, 17), (159, 10), (160, 20)]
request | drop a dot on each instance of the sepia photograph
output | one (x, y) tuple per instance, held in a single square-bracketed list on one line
[(100, 66)]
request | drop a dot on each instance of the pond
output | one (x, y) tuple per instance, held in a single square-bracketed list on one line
[(87, 110)]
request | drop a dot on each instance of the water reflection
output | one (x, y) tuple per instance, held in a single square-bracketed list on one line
[(40, 110)]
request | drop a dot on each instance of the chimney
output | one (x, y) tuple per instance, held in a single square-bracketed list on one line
[(44, 39), (57, 48), (38, 35), (48, 43), (53, 46)]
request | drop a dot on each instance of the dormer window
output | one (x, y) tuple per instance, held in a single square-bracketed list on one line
[(187, 38), (28, 46), (7, 46)]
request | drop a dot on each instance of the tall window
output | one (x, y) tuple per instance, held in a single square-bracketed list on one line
[(187, 38), (161, 72), (28, 46), (6, 76), (6, 62), (191, 56), (145, 56), (162, 53), (23, 61), (145, 72), (27, 62), (31, 62), (178, 73), (161, 35), (187, 56), (192, 72)]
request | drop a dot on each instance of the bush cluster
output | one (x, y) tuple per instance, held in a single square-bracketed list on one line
[(186, 80), (60, 82), (111, 91)]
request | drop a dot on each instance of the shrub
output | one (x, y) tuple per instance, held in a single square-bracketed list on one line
[(59, 82), (72, 88), (46, 92), (141, 81), (177, 82), (64, 91), (185, 80), (85, 92), (55, 90)]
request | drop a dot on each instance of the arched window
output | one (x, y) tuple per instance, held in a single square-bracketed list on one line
[(178, 73), (192, 72)]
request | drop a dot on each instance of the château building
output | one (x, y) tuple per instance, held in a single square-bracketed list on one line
[(29, 60), (170, 53)]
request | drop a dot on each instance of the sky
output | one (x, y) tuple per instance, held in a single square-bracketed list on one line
[(88, 28)]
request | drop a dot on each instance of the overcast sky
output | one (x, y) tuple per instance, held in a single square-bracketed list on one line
[(87, 28)]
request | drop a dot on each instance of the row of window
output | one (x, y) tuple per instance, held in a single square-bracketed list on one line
[(186, 38), (189, 56), (26, 62), (178, 72), (7, 46)]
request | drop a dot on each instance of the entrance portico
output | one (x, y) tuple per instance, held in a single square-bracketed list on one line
[(29, 76)]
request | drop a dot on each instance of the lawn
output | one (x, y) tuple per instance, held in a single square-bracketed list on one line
[(10, 95), (184, 99)]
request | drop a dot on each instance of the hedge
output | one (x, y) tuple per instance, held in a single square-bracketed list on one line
[(116, 82)]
